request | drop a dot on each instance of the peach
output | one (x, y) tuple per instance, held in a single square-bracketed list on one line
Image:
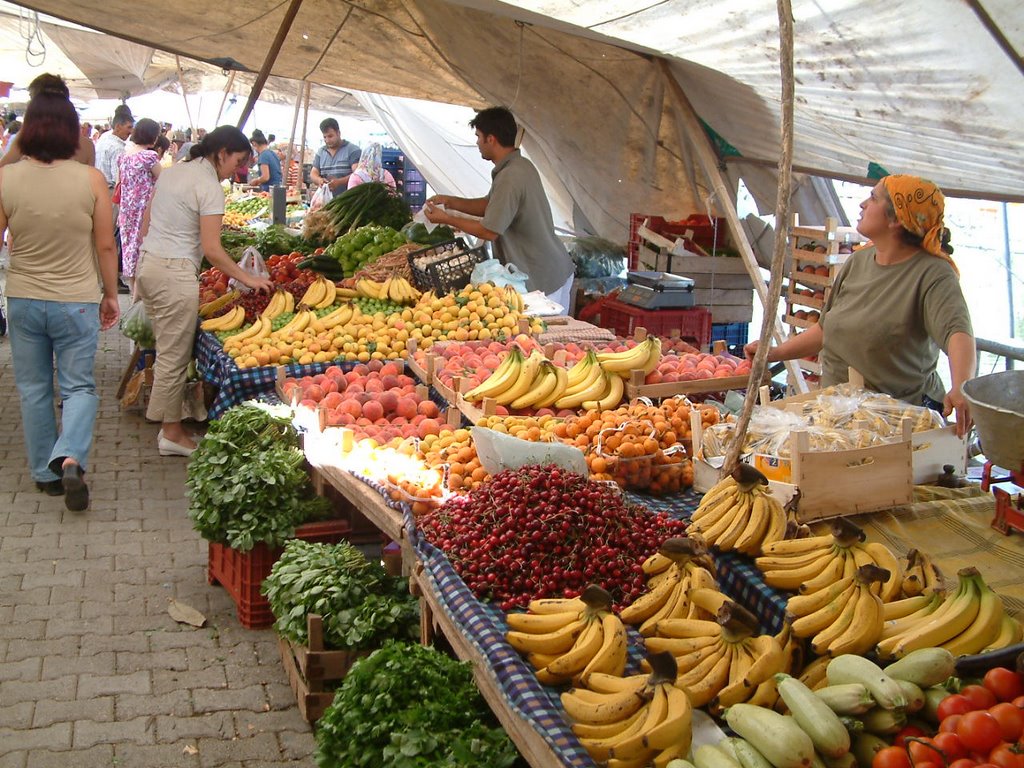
[(314, 393), (388, 401), (334, 418), (374, 385), (390, 381), (389, 369), (332, 400), (308, 403), (404, 381), (406, 408), (334, 371), (428, 427), (352, 408), (375, 365), (360, 370), (329, 386), (428, 408)]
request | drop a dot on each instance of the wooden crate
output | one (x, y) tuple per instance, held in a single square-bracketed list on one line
[(310, 668), (635, 386)]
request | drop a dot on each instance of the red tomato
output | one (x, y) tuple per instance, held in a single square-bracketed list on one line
[(1011, 720), (979, 731), (957, 704), (1007, 756), (979, 696), (1018, 701), (924, 751), (963, 762), (907, 732), (949, 724), (950, 745), (891, 757)]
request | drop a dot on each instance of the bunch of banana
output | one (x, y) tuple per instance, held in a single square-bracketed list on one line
[(504, 376), (645, 356), (921, 575), (739, 514), (321, 293), (817, 562), (398, 290), (673, 571), (547, 387), (723, 662), (298, 323), (253, 333), (570, 639), (590, 386), (280, 302), (211, 308), (229, 321), (513, 299), (845, 616), (339, 316), (967, 622), (633, 721)]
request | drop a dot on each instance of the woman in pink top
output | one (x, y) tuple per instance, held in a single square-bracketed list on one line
[(137, 170), (370, 168)]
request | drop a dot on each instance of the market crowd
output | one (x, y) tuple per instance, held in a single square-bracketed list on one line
[(136, 200)]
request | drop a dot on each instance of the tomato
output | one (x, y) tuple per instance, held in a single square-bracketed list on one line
[(979, 731), (963, 762), (1011, 720), (924, 751), (949, 724), (1007, 756), (1018, 701), (891, 757), (957, 704), (907, 732), (951, 746), (980, 696)]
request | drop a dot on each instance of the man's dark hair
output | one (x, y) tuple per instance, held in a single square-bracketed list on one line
[(122, 115), (51, 130), (162, 143), (145, 132), (258, 138), (330, 122), (497, 122)]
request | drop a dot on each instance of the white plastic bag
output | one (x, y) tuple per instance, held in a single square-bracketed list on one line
[(252, 262), (493, 271), (321, 197), (498, 451)]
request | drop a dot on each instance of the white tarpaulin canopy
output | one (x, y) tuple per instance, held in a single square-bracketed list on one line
[(932, 88)]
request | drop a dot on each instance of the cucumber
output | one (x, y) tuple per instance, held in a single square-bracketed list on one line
[(814, 716), (778, 737), (924, 667), (849, 668), (707, 756)]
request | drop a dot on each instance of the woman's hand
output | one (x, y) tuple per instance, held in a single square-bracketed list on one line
[(955, 401), (261, 284), (110, 311)]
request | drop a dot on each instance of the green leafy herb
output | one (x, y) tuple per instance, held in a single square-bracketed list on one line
[(408, 706), (247, 483), (360, 604)]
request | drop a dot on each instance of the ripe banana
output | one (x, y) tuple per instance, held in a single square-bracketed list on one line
[(581, 369), (314, 294), (986, 626), (561, 379), (527, 375), (212, 307), (612, 396), (247, 333), (591, 388), (636, 358), (949, 620), (545, 383), (330, 294), (503, 377), (229, 321)]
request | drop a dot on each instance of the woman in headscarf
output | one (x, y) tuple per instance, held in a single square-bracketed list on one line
[(895, 304), (371, 168)]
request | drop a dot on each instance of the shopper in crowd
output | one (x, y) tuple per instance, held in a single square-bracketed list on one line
[(86, 152), (112, 144), (895, 304), (8, 141), (58, 212), (267, 162), (87, 130), (161, 146), (333, 162), (294, 176), (181, 225), (138, 169), (516, 213), (181, 146), (371, 168)]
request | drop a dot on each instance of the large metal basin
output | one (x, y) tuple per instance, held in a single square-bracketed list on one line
[(997, 404)]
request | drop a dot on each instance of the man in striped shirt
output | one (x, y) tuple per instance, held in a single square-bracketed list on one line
[(333, 162)]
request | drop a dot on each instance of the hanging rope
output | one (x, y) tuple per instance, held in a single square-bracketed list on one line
[(519, 78), (35, 46)]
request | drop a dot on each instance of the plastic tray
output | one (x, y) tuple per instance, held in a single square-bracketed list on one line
[(450, 273)]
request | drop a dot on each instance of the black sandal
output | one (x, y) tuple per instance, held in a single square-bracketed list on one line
[(51, 487), (76, 492)]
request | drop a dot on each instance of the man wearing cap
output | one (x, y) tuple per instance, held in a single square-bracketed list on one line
[(334, 162), (181, 147)]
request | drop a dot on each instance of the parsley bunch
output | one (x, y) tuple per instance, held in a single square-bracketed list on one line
[(360, 604), (247, 483), (408, 706)]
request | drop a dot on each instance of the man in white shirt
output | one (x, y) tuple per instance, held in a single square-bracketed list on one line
[(111, 144)]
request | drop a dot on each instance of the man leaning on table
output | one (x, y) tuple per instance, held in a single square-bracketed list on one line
[(334, 162), (516, 214)]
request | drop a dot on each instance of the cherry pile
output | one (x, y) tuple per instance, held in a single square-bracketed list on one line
[(253, 302), (541, 531)]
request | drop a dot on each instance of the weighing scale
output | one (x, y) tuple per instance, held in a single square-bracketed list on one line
[(657, 290)]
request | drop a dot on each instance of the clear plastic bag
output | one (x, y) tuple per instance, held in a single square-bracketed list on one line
[(136, 326), (597, 257), (502, 275), (253, 263), (321, 197)]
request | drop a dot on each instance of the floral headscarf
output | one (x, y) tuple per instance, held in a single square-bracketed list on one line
[(370, 166), (919, 206)]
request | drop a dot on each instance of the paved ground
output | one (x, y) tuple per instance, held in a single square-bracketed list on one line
[(93, 672)]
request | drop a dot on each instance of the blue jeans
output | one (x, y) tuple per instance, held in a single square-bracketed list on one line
[(40, 331)]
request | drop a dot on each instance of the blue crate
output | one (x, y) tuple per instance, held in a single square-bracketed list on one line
[(733, 334)]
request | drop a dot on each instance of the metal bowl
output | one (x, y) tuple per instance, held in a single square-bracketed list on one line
[(997, 404)]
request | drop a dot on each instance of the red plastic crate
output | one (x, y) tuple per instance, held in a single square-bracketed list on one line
[(624, 319), (703, 234), (242, 573)]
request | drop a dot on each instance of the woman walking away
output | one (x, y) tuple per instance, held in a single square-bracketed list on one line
[(181, 225), (62, 248), (138, 169)]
